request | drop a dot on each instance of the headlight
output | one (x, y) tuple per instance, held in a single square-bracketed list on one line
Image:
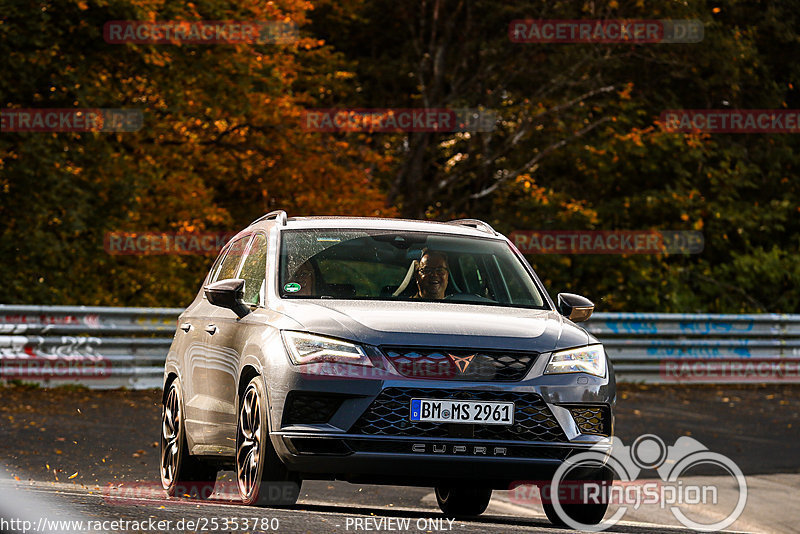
[(308, 348), (591, 359)]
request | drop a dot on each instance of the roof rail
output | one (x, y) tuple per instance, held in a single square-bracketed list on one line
[(279, 216), (475, 223)]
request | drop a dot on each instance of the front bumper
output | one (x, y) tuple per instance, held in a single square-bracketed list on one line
[(349, 442), (421, 461)]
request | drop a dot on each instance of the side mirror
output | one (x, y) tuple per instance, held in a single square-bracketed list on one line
[(228, 294), (575, 307)]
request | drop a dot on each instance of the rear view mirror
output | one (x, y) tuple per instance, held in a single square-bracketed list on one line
[(229, 294), (575, 307)]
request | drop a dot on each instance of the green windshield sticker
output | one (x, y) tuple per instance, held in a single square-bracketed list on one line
[(292, 287)]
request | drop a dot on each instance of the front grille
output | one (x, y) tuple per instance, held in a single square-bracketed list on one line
[(591, 419), (310, 408), (460, 364), (388, 415)]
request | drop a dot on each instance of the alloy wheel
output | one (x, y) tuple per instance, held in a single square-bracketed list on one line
[(170, 436), (248, 441)]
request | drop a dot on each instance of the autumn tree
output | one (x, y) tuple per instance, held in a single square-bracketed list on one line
[(221, 144)]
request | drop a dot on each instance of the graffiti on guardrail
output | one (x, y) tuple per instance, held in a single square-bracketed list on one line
[(639, 344), (695, 352), (90, 320), (32, 357), (687, 327), (155, 321)]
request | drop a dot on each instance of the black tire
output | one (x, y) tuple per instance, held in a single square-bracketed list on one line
[(585, 513), (181, 473), (463, 502), (262, 478)]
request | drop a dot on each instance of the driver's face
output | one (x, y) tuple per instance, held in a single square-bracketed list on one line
[(433, 277)]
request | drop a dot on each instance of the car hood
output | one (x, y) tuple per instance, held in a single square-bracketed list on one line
[(438, 324)]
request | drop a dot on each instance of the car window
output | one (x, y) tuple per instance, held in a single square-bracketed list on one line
[(386, 265), (366, 277), (254, 270), (228, 268), (514, 285), (474, 276), (215, 267)]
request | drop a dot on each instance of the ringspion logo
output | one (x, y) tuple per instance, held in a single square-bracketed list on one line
[(620, 468)]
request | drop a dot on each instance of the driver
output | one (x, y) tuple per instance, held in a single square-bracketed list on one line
[(432, 275)]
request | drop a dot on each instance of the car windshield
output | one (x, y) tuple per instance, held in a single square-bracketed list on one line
[(391, 265)]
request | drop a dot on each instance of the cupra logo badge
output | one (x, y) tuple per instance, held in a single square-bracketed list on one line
[(462, 362)]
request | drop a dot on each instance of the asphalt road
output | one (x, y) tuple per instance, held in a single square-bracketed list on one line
[(350, 510), (92, 455)]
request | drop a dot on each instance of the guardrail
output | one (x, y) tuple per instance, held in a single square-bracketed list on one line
[(98, 347), (104, 347), (700, 348)]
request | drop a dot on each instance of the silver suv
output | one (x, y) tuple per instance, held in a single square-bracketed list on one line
[(381, 351)]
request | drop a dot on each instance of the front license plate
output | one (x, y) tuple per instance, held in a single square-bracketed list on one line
[(458, 411)]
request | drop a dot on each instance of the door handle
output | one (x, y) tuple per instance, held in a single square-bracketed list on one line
[(186, 327), (211, 329)]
